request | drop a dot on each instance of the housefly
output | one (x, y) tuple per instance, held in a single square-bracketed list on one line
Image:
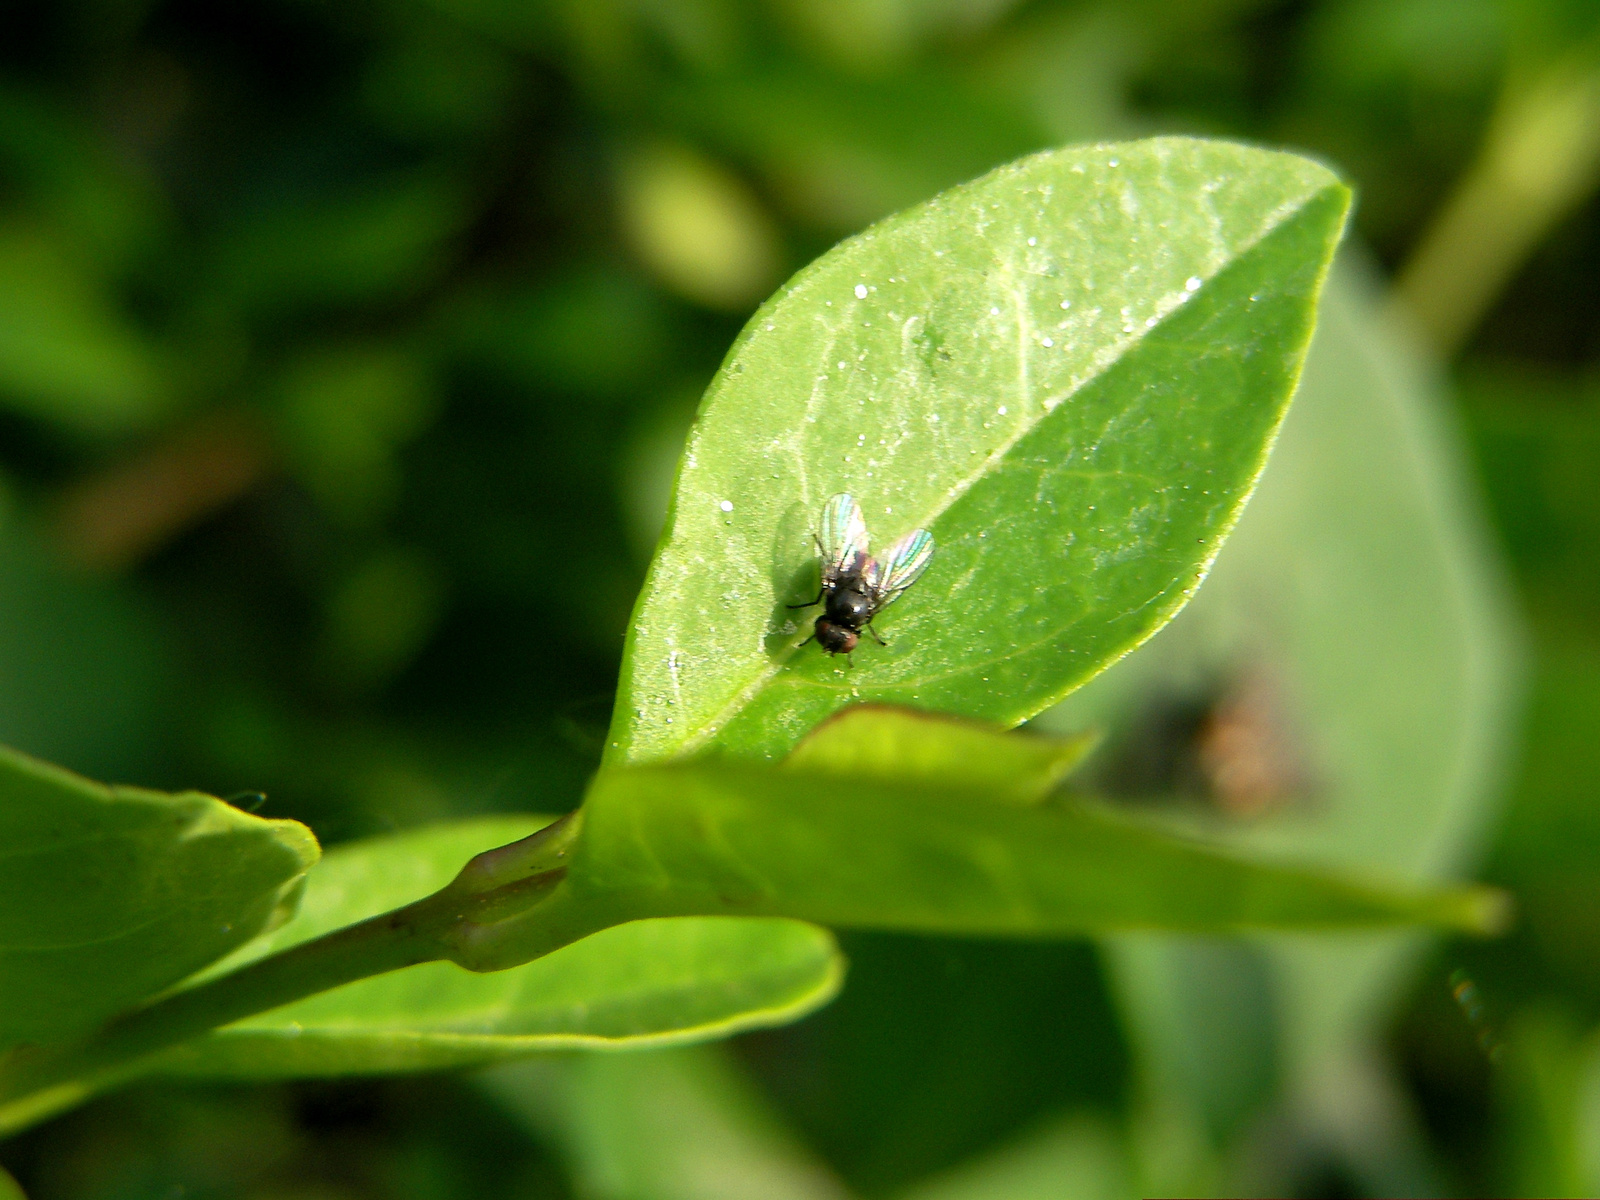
[(856, 586)]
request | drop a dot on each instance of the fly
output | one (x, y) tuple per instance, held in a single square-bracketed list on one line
[(855, 586)]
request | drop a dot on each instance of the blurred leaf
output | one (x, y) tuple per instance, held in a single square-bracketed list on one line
[(68, 355), (438, 81), (842, 152), (1451, 44), (649, 982), (73, 180), (1536, 435), (670, 1125), (86, 672), (719, 836), (1204, 1027), (1069, 371), (598, 330), (1549, 847), (346, 414), (874, 35), (380, 615), (1359, 599), (1550, 1097), (1073, 1158), (377, 242), (698, 227), (8, 1187), (902, 745), (111, 894)]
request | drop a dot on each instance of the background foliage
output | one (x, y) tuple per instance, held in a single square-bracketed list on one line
[(345, 355)]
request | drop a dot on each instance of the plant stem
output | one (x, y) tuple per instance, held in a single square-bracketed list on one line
[(375, 946), (1540, 158), (500, 894)]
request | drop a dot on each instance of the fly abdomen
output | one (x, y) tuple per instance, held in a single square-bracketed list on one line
[(835, 639)]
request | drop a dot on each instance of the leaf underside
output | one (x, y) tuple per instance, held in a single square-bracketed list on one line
[(714, 836)]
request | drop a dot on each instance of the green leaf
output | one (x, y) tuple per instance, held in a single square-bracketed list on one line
[(1069, 371), (1073, 1158), (8, 1187), (902, 745), (723, 837), (67, 354), (649, 982), (110, 894), (681, 1124)]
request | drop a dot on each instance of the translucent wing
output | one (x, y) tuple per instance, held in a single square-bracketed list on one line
[(900, 565), (842, 536)]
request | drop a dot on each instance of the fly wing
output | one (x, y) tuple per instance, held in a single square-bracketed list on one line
[(900, 565), (843, 538)]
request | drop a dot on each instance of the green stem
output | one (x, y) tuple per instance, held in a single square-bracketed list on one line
[(500, 892), (372, 947), (1540, 158)]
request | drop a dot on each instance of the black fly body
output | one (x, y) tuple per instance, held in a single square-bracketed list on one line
[(856, 586)]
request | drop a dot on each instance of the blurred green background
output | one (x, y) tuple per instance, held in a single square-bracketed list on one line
[(345, 352)]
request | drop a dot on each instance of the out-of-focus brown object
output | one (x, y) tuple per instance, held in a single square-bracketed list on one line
[(111, 521), (1247, 753)]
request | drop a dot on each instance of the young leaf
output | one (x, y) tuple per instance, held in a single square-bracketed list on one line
[(901, 745), (1069, 371), (721, 837), (110, 894), (649, 982)]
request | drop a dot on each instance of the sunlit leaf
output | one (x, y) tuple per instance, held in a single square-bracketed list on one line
[(1069, 371)]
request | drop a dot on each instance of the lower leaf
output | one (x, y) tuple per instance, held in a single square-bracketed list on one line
[(646, 982)]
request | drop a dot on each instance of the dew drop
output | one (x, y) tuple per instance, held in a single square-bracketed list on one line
[(1033, 241), (725, 505), (1192, 284), (1047, 342), (861, 291)]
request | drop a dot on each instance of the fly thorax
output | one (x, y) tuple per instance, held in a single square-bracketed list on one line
[(849, 606)]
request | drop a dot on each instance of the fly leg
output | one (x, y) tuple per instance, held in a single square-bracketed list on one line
[(876, 636)]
